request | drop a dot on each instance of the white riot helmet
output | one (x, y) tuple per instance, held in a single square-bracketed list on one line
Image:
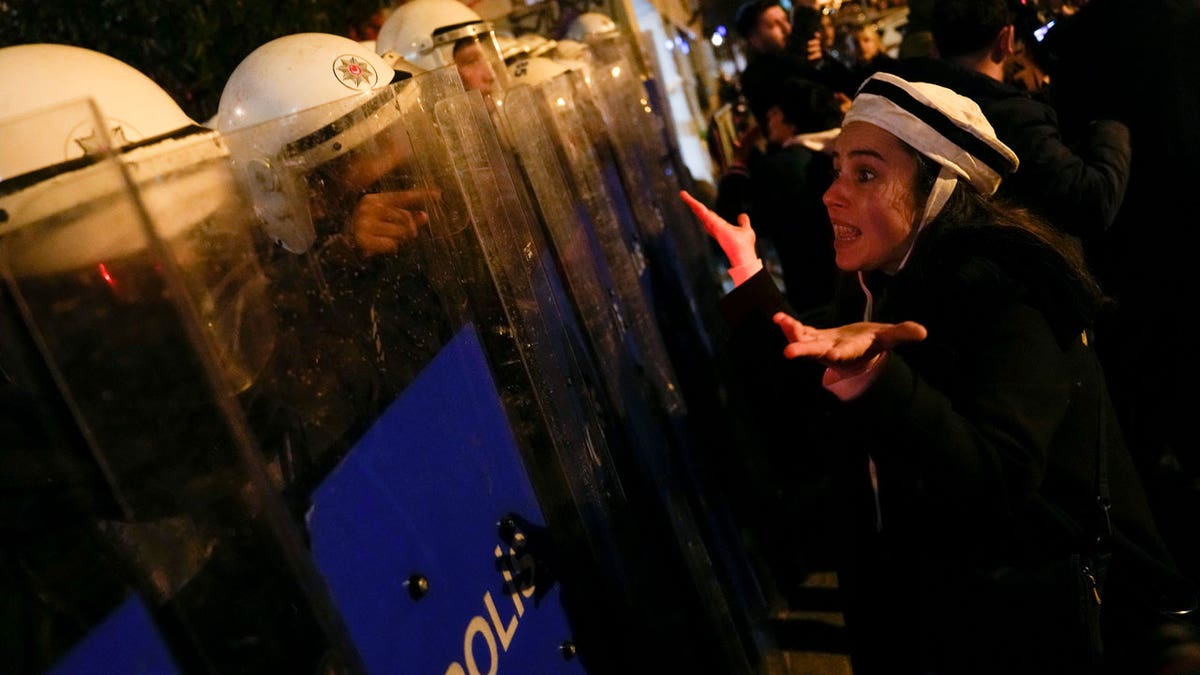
[(521, 47), (536, 45), (510, 47), (295, 73), (134, 107), (81, 149), (295, 103), (591, 24), (135, 111), (572, 50), (437, 33), (535, 70)]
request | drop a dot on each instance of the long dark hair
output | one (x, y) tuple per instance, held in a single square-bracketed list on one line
[(1057, 257)]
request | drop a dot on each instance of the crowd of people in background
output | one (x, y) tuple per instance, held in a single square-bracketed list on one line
[(1091, 152)]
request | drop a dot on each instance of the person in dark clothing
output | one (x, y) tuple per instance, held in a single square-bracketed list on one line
[(968, 404), (765, 26), (918, 37), (1078, 183), (814, 40), (806, 22), (778, 53), (1082, 173), (781, 189), (869, 56), (1152, 84)]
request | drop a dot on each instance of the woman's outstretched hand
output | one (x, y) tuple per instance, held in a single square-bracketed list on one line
[(847, 350), (737, 241)]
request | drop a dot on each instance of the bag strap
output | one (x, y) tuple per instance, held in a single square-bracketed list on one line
[(1102, 529), (1107, 538)]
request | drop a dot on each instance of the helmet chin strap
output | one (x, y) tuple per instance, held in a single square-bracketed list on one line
[(943, 187)]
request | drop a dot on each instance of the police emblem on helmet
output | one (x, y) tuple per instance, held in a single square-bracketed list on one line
[(354, 73), (91, 142)]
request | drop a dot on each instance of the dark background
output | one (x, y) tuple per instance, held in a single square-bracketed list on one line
[(189, 47)]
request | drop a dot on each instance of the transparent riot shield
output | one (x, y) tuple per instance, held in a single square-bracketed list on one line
[(684, 305), (556, 158), (458, 494), (634, 77), (569, 384), (676, 176), (628, 116), (346, 255), (683, 296), (571, 231), (573, 122), (552, 343), (143, 313)]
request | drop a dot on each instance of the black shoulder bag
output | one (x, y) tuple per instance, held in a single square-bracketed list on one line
[(1063, 592)]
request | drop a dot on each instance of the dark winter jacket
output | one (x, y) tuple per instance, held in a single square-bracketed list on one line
[(1001, 407), (781, 191), (760, 81), (1077, 186)]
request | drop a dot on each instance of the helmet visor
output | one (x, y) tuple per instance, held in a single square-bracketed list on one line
[(474, 50)]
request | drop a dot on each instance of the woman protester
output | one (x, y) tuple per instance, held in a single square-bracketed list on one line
[(964, 414)]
